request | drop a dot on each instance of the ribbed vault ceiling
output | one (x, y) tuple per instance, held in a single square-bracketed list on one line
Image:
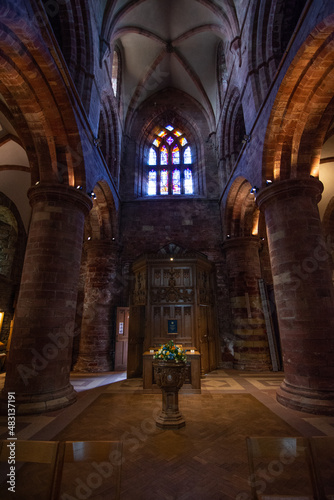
[(170, 44)]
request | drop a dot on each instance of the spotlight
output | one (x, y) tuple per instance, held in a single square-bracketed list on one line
[(92, 195), (79, 187), (228, 236), (254, 190), (36, 183), (268, 182), (89, 238)]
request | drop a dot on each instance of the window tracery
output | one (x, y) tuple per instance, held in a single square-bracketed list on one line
[(170, 149)]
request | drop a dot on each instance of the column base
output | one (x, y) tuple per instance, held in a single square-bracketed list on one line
[(29, 404), (306, 400), (170, 420)]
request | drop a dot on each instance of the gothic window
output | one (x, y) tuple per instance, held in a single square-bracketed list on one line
[(171, 157), (115, 72), (222, 72)]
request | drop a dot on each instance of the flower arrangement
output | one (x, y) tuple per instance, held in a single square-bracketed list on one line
[(171, 352)]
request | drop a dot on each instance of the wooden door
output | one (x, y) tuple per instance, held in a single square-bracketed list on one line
[(203, 332), (122, 337), (136, 341)]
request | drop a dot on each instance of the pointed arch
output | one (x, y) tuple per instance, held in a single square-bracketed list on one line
[(102, 222), (110, 136), (39, 109), (241, 213), (303, 109), (72, 28), (183, 136), (232, 132)]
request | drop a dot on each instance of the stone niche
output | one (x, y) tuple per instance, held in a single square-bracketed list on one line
[(172, 298)]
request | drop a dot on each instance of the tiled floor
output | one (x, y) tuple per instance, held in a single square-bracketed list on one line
[(205, 460)]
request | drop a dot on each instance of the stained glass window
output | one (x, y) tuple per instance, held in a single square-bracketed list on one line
[(152, 157), (164, 182), (163, 156), (187, 156), (176, 155), (170, 156), (176, 181), (188, 181), (152, 183)]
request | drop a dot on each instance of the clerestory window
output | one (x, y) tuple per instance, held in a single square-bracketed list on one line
[(171, 160), (115, 73)]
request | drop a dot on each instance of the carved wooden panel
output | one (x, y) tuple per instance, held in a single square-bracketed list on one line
[(204, 289), (171, 285), (159, 326), (139, 291)]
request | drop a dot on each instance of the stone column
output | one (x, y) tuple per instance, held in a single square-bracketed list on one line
[(251, 350), (303, 293), (97, 320), (38, 365)]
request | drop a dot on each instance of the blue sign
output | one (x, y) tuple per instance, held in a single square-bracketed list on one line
[(172, 326)]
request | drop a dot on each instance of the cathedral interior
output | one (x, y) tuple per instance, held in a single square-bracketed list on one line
[(167, 163)]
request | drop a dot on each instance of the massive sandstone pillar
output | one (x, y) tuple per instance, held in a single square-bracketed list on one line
[(303, 292), (251, 350), (100, 292), (38, 365)]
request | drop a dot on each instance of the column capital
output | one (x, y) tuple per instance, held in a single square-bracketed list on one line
[(60, 193), (289, 188), (105, 245), (241, 241)]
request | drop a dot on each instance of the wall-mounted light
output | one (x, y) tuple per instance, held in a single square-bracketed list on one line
[(268, 182), (92, 195), (89, 238), (228, 236), (36, 183), (254, 190), (79, 187), (2, 315)]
